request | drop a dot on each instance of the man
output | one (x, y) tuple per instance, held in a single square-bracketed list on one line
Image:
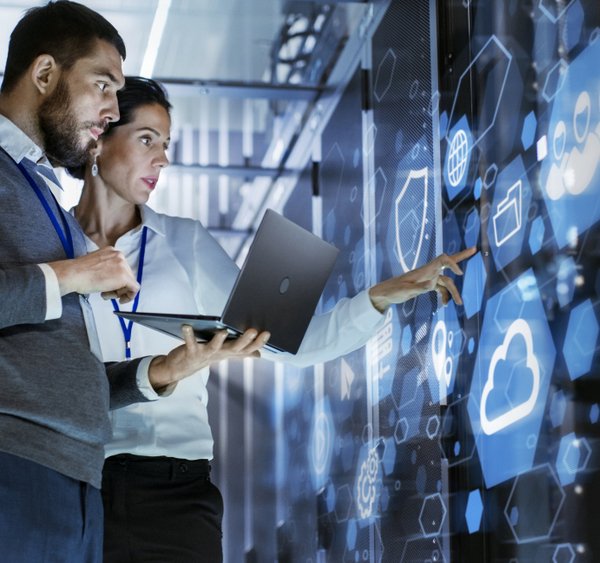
[(58, 95)]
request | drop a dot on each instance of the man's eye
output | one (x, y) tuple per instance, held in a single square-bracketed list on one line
[(146, 140), (102, 86)]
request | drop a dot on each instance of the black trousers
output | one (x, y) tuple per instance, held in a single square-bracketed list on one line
[(160, 510)]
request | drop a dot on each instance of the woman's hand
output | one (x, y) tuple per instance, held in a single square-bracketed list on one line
[(165, 371), (422, 280)]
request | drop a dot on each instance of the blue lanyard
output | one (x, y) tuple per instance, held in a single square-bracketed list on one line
[(127, 328), (67, 241)]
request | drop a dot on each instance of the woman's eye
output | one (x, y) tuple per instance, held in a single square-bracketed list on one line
[(146, 140), (102, 86)]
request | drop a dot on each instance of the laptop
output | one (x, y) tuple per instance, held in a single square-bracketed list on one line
[(277, 289)]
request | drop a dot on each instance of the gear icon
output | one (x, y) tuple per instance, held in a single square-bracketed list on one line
[(365, 487)]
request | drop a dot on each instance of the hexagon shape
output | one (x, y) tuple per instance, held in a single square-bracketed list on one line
[(472, 228), (343, 503), (389, 456), (331, 171), (474, 511), (433, 514), (471, 346), (408, 307), (536, 515), (370, 137), (433, 425), (573, 25), (385, 74), (351, 533), (564, 553), (536, 235), (406, 339), (549, 7), (581, 338), (477, 189), (330, 498), (378, 186), (529, 127), (565, 281), (555, 80), (474, 284), (456, 448), (594, 412), (490, 176), (573, 456), (558, 408)]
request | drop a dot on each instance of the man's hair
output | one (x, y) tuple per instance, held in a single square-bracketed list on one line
[(66, 30), (137, 92)]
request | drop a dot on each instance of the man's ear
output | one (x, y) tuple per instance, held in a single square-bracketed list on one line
[(44, 74)]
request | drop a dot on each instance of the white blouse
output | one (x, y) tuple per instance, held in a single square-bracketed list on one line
[(186, 271)]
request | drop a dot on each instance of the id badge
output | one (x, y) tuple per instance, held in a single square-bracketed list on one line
[(90, 326)]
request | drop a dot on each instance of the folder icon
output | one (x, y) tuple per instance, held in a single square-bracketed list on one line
[(507, 220)]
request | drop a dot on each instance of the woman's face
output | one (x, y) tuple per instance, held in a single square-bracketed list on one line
[(132, 156)]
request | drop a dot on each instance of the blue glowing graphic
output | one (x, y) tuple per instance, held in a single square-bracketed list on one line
[(351, 533), (472, 228), (573, 25), (573, 456), (367, 487), (508, 218), (458, 157), (433, 425), (569, 176), (564, 553), (558, 408), (474, 284), (471, 345), (386, 346), (474, 511), (406, 339), (565, 281), (445, 345), (511, 379), (433, 514), (321, 443), (389, 456), (594, 413), (536, 236), (490, 176), (529, 127), (581, 338), (477, 188)]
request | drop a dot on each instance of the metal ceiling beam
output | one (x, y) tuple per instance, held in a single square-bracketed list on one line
[(233, 89)]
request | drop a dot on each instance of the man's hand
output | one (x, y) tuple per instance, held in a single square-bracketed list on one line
[(165, 371), (104, 270), (422, 280)]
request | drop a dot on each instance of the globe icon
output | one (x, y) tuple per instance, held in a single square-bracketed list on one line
[(457, 159)]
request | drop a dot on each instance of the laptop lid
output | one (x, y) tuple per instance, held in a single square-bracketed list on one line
[(280, 284)]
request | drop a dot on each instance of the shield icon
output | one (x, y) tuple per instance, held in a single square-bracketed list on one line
[(410, 218)]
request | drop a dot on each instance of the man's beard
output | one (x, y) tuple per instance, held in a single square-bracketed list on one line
[(60, 130)]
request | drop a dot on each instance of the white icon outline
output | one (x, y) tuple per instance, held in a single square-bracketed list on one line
[(459, 138), (442, 362), (504, 206), (412, 175), (366, 490), (515, 414), (347, 377), (320, 443)]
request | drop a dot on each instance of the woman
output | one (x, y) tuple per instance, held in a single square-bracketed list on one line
[(159, 502)]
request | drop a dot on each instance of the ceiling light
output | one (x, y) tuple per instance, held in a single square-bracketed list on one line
[(158, 26)]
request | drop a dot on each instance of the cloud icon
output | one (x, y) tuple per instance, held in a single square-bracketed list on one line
[(522, 410)]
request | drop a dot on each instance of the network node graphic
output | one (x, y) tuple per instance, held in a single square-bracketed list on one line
[(511, 378), (367, 489), (529, 519), (321, 443), (474, 284), (581, 339), (474, 511), (528, 133), (458, 158), (573, 456), (569, 175), (445, 344), (536, 235)]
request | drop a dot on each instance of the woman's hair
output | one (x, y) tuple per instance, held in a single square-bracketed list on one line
[(137, 92)]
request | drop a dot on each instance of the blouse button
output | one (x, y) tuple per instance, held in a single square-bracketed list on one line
[(183, 468)]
